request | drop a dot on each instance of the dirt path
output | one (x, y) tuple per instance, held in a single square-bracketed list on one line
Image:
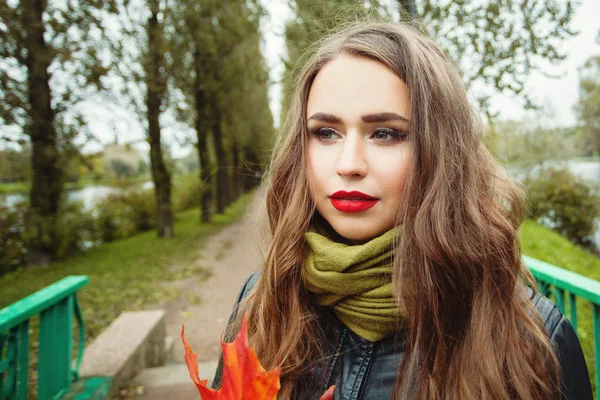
[(231, 255)]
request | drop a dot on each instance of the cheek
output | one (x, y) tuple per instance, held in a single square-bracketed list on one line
[(396, 176), (318, 166)]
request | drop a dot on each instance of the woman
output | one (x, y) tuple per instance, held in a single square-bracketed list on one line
[(394, 266)]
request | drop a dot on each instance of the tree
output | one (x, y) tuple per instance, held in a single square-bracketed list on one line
[(588, 107), (313, 19), (493, 44), (497, 44), (42, 41), (144, 79), (155, 91), (219, 70)]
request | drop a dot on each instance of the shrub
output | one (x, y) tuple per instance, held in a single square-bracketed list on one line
[(186, 192), (77, 230), (112, 219), (13, 250), (142, 208), (564, 203), (120, 215)]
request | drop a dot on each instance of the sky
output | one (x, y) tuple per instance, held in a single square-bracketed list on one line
[(558, 95)]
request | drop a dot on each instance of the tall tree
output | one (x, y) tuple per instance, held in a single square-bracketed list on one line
[(222, 39), (191, 52), (143, 72), (42, 41), (155, 92)]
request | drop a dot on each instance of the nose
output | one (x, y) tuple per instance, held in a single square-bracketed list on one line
[(352, 161)]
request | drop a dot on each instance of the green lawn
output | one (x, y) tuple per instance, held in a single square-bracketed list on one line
[(543, 244)]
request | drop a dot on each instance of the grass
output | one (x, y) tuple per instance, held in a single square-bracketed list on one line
[(546, 245)]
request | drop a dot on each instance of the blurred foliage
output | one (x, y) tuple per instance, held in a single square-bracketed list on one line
[(312, 20), (121, 214), (15, 164), (186, 192), (76, 230), (527, 145), (588, 107), (12, 245), (495, 45), (565, 203)]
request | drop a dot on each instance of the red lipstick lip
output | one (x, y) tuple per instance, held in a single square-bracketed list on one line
[(353, 195), (352, 201)]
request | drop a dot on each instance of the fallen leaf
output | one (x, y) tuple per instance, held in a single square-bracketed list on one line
[(243, 376)]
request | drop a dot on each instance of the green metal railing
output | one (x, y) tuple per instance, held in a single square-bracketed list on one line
[(57, 305), (562, 284)]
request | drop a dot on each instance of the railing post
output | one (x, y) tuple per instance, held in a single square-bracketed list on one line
[(573, 311), (22, 332), (56, 349), (596, 317), (559, 294)]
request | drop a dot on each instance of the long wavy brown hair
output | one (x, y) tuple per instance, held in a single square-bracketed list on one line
[(471, 330)]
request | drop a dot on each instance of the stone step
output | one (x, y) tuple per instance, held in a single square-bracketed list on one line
[(159, 381), (179, 392)]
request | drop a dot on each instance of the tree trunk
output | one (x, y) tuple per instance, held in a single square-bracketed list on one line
[(223, 193), (155, 90), (202, 143), (46, 185)]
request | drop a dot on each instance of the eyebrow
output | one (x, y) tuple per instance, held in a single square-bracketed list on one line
[(369, 118)]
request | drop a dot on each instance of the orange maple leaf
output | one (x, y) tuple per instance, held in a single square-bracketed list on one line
[(243, 376)]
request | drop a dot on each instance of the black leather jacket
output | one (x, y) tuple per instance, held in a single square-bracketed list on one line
[(365, 370)]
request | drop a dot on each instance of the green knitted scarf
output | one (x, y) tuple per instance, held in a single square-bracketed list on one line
[(355, 280)]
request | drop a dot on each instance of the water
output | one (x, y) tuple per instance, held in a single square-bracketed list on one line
[(88, 195)]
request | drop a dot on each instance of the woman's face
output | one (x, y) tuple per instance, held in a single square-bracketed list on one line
[(359, 148)]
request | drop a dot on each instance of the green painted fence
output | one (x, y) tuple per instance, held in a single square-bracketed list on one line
[(57, 306), (565, 288)]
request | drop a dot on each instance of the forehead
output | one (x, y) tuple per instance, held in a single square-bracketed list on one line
[(350, 86)]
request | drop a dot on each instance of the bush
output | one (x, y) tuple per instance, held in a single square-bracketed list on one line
[(13, 250), (76, 231), (142, 207), (120, 215), (186, 192), (564, 203), (112, 220)]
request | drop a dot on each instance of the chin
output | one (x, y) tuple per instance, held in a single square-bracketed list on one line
[(358, 233)]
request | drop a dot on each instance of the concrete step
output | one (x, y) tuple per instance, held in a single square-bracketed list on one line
[(178, 392), (157, 383)]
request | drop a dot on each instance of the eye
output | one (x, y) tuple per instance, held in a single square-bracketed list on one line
[(388, 134), (325, 134)]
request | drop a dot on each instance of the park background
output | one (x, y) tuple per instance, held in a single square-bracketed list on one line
[(134, 136)]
